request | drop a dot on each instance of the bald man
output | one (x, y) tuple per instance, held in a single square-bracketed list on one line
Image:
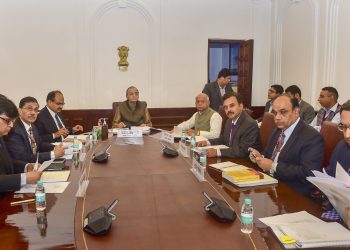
[(206, 122)]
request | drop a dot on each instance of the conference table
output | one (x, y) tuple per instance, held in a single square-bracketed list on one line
[(161, 206)]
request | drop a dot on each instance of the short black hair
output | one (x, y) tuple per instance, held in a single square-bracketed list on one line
[(27, 99), (279, 89), (52, 94), (333, 92), (225, 72), (293, 101), (8, 108), (230, 94), (345, 106), (293, 89)]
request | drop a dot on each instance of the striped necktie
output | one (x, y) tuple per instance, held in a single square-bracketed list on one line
[(278, 146), (32, 140)]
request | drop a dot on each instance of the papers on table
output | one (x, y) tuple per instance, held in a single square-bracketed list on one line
[(336, 189), (44, 165), (307, 231), (144, 129), (81, 138), (223, 165), (216, 147), (55, 176), (50, 188)]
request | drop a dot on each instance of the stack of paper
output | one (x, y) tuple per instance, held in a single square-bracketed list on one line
[(304, 230), (242, 176), (337, 189), (145, 129), (81, 138)]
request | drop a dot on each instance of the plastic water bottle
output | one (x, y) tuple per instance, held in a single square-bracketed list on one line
[(183, 136), (40, 196), (94, 135), (41, 220), (203, 158), (247, 214), (75, 144), (193, 144)]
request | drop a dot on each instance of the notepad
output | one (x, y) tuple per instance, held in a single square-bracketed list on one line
[(55, 176)]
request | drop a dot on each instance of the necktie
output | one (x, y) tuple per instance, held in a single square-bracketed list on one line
[(32, 140), (278, 146), (232, 133), (59, 123)]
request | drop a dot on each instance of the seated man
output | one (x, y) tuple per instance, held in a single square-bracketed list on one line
[(341, 152), (11, 171), (50, 122), (206, 122), (24, 142), (241, 131), (216, 90), (307, 112), (294, 148), (330, 110), (273, 92), (132, 112)]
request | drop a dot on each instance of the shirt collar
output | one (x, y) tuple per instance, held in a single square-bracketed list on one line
[(334, 108), (291, 128), (26, 125), (53, 114), (235, 121)]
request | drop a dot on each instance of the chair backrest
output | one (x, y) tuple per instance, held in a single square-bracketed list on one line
[(331, 136), (224, 118), (266, 128), (114, 106)]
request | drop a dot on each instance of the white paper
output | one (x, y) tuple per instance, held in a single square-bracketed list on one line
[(216, 147), (50, 188), (44, 165), (55, 176), (223, 165)]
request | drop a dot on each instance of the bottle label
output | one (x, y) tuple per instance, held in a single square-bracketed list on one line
[(246, 218), (40, 197), (203, 161)]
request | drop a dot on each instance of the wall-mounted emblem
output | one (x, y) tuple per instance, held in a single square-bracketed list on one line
[(123, 53)]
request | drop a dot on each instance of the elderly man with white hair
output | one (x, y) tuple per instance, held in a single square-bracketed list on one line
[(205, 122)]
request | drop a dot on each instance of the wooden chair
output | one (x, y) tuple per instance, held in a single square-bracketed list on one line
[(331, 136), (266, 128)]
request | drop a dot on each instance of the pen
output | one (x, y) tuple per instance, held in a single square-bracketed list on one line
[(22, 201)]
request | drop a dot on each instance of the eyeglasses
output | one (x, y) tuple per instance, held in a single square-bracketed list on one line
[(342, 127), (282, 112), (59, 103), (30, 109), (8, 121)]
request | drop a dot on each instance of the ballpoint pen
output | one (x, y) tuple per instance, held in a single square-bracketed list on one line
[(21, 202)]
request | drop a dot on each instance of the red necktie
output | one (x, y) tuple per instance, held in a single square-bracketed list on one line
[(279, 145)]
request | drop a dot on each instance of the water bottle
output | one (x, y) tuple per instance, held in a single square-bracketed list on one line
[(247, 216), (94, 135), (41, 221), (75, 144), (193, 144), (203, 158), (104, 130), (40, 196), (183, 136)]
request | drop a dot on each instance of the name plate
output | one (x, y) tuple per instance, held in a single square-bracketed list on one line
[(83, 184), (184, 150), (197, 169), (129, 133), (166, 136)]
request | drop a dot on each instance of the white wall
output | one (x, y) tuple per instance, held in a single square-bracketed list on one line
[(71, 45), (310, 40)]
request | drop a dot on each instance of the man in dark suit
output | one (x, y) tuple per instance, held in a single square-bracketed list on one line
[(294, 148), (24, 142), (307, 112), (241, 131), (11, 171), (274, 91), (50, 122), (216, 90)]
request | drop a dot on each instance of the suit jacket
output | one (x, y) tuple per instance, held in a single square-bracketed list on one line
[(302, 153), (46, 126), (213, 91), (10, 178), (267, 106), (19, 147), (246, 135), (307, 112)]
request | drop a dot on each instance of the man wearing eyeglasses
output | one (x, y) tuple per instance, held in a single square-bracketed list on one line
[(294, 148), (50, 122), (341, 152), (13, 173), (24, 142)]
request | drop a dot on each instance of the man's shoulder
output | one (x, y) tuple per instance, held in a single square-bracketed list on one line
[(306, 105), (44, 112), (306, 132)]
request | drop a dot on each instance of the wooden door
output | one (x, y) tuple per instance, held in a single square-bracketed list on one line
[(245, 72)]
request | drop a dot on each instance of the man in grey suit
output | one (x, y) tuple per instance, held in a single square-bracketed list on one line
[(241, 131), (216, 90), (307, 112), (294, 148)]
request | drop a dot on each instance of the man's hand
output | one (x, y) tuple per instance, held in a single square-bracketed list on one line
[(121, 125), (190, 132), (61, 132), (58, 150), (202, 143), (253, 153), (211, 152), (33, 177), (348, 216), (264, 163), (77, 128), (31, 167)]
